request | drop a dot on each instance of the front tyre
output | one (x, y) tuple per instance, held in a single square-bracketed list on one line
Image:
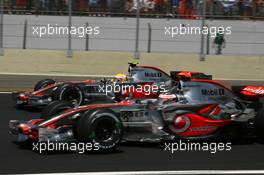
[(259, 124), (43, 83), (101, 127), (54, 108), (70, 93)]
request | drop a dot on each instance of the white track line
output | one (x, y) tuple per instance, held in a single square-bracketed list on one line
[(164, 172), (5, 92), (106, 76)]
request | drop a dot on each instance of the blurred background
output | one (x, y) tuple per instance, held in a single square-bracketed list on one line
[(116, 19), (191, 9)]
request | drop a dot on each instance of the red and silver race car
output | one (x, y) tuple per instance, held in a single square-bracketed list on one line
[(92, 91), (194, 109)]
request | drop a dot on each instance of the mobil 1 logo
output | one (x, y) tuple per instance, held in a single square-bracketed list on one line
[(213, 92)]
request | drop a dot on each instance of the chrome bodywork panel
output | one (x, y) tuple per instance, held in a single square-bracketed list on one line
[(146, 120)]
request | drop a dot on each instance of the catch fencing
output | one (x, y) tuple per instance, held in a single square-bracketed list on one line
[(118, 34)]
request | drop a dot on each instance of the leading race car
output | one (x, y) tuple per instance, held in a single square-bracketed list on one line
[(194, 109), (91, 91)]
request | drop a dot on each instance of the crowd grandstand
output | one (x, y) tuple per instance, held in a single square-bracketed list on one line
[(191, 9)]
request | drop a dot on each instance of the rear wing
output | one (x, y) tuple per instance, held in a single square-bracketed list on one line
[(178, 75), (249, 91)]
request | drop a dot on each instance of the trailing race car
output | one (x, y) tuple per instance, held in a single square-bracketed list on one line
[(92, 91), (194, 109)]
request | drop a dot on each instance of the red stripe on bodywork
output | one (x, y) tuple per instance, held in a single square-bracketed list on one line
[(70, 112), (201, 126)]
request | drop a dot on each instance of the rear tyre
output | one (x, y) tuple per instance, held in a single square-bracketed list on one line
[(70, 93), (43, 83), (259, 124), (54, 108), (101, 127)]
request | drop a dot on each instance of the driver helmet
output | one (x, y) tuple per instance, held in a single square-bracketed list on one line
[(121, 78), (184, 75), (132, 64)]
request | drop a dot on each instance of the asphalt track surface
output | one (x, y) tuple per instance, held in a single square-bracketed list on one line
[(28, 81), (129, 157)]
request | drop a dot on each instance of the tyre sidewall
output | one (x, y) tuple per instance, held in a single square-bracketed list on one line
[(88, 123), (61, 90), (43, 83), (259, 124), (54, 108)]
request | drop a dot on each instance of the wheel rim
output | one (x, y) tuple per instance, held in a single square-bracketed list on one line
[(73, 95), (105, 131)]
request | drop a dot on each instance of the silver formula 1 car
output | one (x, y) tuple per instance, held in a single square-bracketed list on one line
[(194, 109), (91, 91)]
